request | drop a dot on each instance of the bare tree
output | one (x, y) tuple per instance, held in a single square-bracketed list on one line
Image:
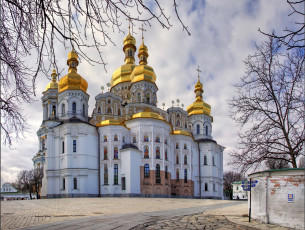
[(24, 181), (32, 29), (37, 180), (228, 179), (269, 107), (277, 163), (293, 37)]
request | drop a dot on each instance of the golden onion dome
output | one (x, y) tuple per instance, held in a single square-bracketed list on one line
[(199, 106), (143, 72), (108, 122), (147, 114), (122, 74), (53, 84), (72, 80)]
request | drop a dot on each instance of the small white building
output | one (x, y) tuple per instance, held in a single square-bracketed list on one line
[(238, 191), (278, 197), (9, 192)]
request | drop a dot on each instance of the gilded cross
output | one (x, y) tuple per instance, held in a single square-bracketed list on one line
[(142, 32), (198, 70), (129, 19)]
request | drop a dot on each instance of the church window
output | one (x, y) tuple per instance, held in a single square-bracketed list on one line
[(165, 141), (43, 143), (185, 175), (109, 110), (185, 126), (146, 152), (177, 159), (198, 129), (116, 174), (185, 159), (236, 187), (75, 183), (123, 139), (206, 130), (139, 97), (213, 159), (109, 102), (158, 139), (119, 112), (166, 172), (214, 187), (115, 137), (157, 153), (63, 147), (165, 154), (178, 115), (148, 98), (105, 138), (74, 146), (63, 183), (73, 108), (185, 146), (206, 187), (158, 179), (205, 160), (105, 174), (115, 153), (105, 153), (84, 110), (178, 123), (63, 109), (54, 110), (177, 146), (146, 170), (134, 140), (99, 109), (146, 139), (177, 174)]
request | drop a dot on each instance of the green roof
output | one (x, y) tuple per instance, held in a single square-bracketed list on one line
[(276, 170)]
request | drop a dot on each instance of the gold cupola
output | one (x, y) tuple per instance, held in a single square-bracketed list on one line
[(199, 106), (53, 84), (122, 74), (72, 80), (143, 72)]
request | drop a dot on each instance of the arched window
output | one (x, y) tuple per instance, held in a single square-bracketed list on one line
[(134, 140), (146, 139), (198, 129), (205, 160), (158, 179), (146, 170), (63, 183), (84, 113), (105, 138), (177, 159), (158, 139), (109, 110), (185, 125), (185, 146), (115, 153), (165, 154), (105, 174), (146, 152), (178, 123), (139, 97), (43, 143), (63, 109), (63, 147), (115, 137), (185, 175), (109, 101), (177, 174), (99, 109), (206, 188), (75, 183), (74, 146), (54, 110), (166, 170), (185, 159), (147, 98), (73, 108), (119, 112), (105, 153), (157, 153), (206, 130), (116, 174), (177, 145), (165, 141), (213, 160)]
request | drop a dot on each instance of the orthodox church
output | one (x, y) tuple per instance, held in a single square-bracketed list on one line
[(128, 146)]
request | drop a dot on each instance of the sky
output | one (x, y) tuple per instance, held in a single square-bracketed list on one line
[(223, 34)]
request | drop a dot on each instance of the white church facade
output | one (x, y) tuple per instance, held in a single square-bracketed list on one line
[(128, 146)]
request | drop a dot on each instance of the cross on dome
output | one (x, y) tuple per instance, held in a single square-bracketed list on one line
[(142, 33), (198, 70), (129, 20)]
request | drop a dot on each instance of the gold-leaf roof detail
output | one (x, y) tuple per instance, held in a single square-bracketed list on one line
[(182, 132), (108, 122), (53, 84)]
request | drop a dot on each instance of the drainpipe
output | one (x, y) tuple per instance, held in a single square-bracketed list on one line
[(199, 171), (99, 163)]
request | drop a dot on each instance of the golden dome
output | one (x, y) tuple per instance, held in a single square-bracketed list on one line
[(108, 122), (122, 74), (53, 84), (143, 72), (148, 114), (72, 80), (182, 132), (199, 106)]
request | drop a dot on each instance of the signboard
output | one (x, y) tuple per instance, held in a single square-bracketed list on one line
[(247, 186), (290, 198)]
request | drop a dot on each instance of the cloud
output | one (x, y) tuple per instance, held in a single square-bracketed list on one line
[(223, 35)]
